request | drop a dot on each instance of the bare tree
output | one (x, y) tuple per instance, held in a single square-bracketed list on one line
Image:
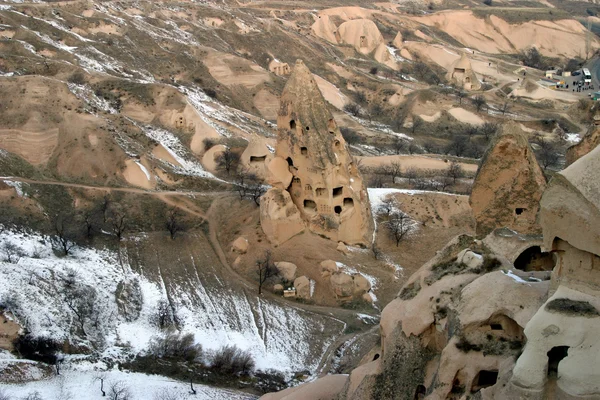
[(353, 109), (471, 130), (265, 269), (417, 122), (81, 300), (118, 225), (459, 145), (104, 206), (547, 153), (505, 107), (228, 160), (173, 222), (411, 174), (489, 129), (387, 206), (64, 237), (460, 94), (479, 102), (399, 145), (398, 226), (119, 390), (394, 169), (455, 171), (166, 315), (256, 190), (12, 253)]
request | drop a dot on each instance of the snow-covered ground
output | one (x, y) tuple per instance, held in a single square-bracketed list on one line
[(40, 289), (85, 385)]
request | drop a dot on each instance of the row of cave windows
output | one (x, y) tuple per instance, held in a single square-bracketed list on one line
[(311, 207)]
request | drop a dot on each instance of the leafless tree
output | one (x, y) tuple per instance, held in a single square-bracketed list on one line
[(387, 206), (118, 225), (255, 190), (265, 269), (398, 226), (471, 130), (547, 153), (399, 145), (104, 206), (394, 169), (455, 171), (353, 109), (411, 174), (81, 300), (444, 183), (460, 94), (64, 236), (228, 160), (479, 102), (12, 253), (505, 107), (417, 122), (166, 315), (173, 222), (459, 145), (119, 390), (489, 129)]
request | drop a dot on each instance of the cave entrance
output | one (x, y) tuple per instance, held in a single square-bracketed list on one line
[(519, 210), (337, 209), (533, 259), (376, 357), (310, 206), (555, 356), (348, 202), (257, 159), (484, 379), (338, 191), (304, 151), (420, 392), (290, 161), (292, 124)]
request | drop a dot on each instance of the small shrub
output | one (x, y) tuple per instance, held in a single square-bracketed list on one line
[(78, 78), (232, 360), (350, 135), (374, 71), (176, 346), (572, 307), (487, 2), (210, 92), (208, 143), (410, 291)]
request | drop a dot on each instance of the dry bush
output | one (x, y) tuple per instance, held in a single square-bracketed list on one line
[(177, 346), (232, 360)]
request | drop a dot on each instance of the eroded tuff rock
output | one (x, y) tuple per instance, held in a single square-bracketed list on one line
[(588, 143), (508, 185), (461, 74), (325, 186), (279, 217), (562, 345)]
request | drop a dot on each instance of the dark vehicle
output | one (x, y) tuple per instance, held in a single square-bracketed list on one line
[(576, 73)]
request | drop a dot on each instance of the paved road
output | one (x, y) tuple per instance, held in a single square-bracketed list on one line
[(594, 66)]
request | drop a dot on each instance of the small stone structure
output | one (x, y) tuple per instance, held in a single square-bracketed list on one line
[(461, 73), (279, 68)]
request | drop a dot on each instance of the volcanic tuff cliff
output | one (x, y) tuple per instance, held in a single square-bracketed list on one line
[(313, 164)]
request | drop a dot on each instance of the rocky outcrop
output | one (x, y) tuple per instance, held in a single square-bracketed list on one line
[(398, 41), (362, 34), (286, 270), (561, 349), (302, 285), (279, 217), (508, 185), (326, 388), (588, 143), (461, 74), (324, 28), (255, 158), (325, 186), (240, 245), (328, 267)]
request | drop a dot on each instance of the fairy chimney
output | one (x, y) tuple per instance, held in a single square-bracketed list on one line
[(508, 185), (325, 185)]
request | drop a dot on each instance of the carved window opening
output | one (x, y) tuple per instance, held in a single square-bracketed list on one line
[(310, 206), (555, 356), (292, 124), (321, 192), (484, 379), (257, 159), (338, 191), (338, 209), (304, 151)]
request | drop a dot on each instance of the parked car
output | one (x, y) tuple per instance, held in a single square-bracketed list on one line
[(575, 73)]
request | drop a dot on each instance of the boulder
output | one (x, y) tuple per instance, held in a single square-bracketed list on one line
[(342, 248), (240, 245), (256, 157), (328, 267), (279, 217), (367, 297), (279, 173), (361, 285), (342, 284), (302, 285), (287, 270), (325, 388), (508, 185), (470, 259), (398, 40), (278, 288)]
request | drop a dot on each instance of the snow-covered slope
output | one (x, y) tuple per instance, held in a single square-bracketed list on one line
[(44, 291)]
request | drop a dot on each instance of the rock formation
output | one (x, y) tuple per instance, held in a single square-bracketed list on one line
[(461, 73), (286, 270), (457, 330), (312, 165), (589, 142), (362, 34), (508, 185), (398, 40), (279, 68), (255, 158), (279, 217), (324, 28)]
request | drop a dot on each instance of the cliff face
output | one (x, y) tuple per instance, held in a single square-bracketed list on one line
[(508, 186), (325, 185)]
